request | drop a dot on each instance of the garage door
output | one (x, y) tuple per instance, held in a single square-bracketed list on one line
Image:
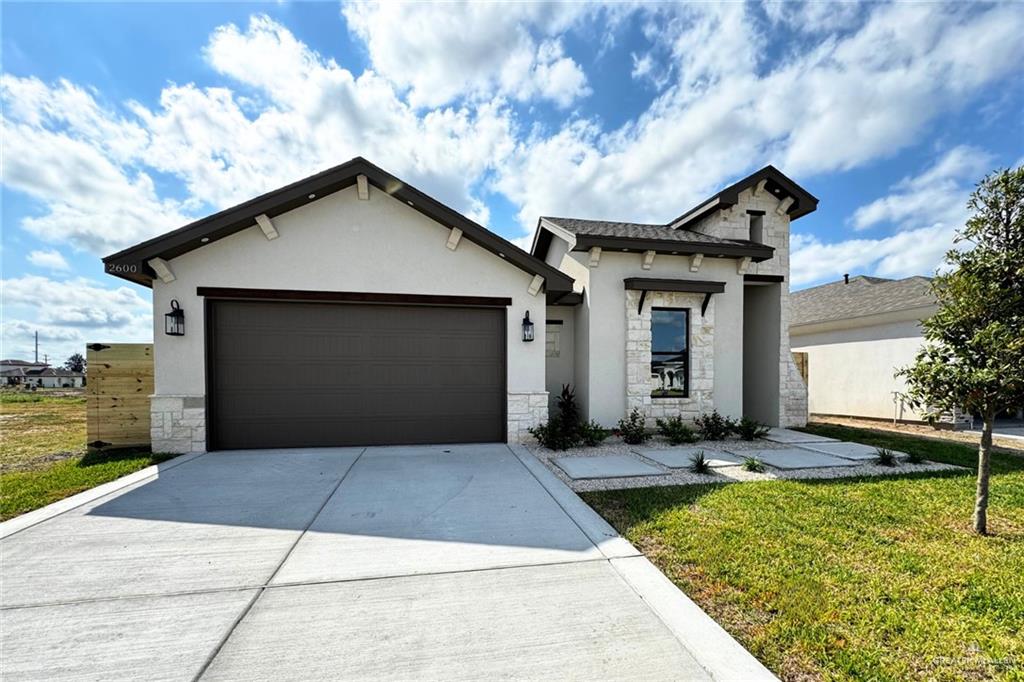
[(288, 374)]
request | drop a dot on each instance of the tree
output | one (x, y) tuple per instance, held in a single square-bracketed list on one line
[(76, 363), (973, 357)]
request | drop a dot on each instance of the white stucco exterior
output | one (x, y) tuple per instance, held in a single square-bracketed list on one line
[(851, 364), (338, 243)]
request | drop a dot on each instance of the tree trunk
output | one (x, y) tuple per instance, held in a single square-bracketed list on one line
[(981, 497)]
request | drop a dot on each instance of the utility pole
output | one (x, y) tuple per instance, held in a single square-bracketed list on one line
[(37, 346)]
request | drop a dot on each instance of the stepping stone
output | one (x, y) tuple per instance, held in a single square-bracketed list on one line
[(788, 436), (855, 451), (679, 458), (609, 466), (797, 458)]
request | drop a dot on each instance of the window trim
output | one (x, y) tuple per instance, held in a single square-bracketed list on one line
[(689, 316)]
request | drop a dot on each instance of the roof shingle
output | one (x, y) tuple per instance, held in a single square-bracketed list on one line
[(606, 228), (861, 297)]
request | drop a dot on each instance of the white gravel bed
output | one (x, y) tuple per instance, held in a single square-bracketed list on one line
[(615, 446)]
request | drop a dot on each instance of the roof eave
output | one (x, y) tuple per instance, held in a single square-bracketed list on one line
[(756, 252)]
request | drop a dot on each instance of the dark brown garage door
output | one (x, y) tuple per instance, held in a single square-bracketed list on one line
[(286, 374)]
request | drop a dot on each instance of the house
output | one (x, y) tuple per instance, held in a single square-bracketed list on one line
[(856, 333), (349, 308), (21, 373)]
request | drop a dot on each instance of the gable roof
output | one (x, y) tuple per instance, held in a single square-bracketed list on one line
[(132, 263), (776, 184), (863, 296), (643, 237)]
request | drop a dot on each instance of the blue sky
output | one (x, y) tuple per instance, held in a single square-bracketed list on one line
[(122, 121)]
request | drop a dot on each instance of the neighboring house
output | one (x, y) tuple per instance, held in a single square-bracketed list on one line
[(350, 308), (857, 332), (18, 373)]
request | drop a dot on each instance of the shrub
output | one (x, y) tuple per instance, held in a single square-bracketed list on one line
[(753, 464), (568, 410), (553, 435), (714, 426), (885, 457), (914, 457), (676, 431), (592, 434), (699, 464), (632, 428), (751, 429)]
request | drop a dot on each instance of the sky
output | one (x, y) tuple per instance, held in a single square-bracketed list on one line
[(123, 121)]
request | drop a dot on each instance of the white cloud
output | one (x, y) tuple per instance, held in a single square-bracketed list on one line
[(939, 195), (48, 260), (443, 51)]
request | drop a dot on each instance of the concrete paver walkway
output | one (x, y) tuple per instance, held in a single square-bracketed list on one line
[(405, 563)]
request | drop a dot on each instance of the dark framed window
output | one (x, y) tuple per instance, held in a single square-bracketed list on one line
[(670, 352)]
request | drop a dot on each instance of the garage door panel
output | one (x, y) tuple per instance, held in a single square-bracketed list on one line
[(313, 374)]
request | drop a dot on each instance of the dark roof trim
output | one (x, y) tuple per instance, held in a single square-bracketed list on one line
[(350, 297), (695, 286), (132, 263), (803, 201), (557, 298), (763, 278), (756, 252)]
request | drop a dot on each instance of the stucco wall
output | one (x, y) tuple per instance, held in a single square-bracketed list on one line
[(761, 386), (604, 334), (340, 243), (851, 370), (559, 347)]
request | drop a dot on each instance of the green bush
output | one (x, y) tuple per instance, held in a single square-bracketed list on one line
[(714, 426), (753, 464), (699, 464), (676, 431), (592, 434), (569, 411), (554, 435), (632, 428), (885, 457), (751, 429), (915, 457)]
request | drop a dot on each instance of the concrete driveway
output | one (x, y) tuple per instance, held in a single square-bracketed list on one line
[(432, 562)]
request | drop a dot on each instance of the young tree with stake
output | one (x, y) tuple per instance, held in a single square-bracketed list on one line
[(973, 357)]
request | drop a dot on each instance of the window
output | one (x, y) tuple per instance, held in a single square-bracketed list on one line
[(670, 352), (756, 227)]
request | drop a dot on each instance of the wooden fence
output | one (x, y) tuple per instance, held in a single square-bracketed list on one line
[(120, 381), (800, 359)]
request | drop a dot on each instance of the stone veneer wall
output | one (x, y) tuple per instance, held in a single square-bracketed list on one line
[(177, 423), (638, 356), (525, 410), (732, 224)]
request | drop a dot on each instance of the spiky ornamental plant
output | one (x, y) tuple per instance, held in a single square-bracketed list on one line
[(973, 357)]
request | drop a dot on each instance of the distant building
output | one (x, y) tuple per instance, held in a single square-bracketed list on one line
[(857, 332), (39, 375)]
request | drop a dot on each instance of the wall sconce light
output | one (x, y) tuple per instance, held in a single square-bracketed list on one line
[(527, 328), (174, 321)]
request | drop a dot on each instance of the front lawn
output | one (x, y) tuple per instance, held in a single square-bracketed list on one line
[(43, 456), (869, 578)]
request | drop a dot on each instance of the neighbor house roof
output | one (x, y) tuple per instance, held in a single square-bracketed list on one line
[(673, 237), (861, 297), (133, 263)]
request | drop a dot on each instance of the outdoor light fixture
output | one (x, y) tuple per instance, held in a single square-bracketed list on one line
[(174, 321), (527, 328)]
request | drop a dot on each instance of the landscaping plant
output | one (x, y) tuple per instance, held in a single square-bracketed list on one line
[(562, 430), (885, 457), (676, 430), (714, 426), (751, 429), (915, 457), (753, 464), (699, 464), (973, 356), (632, 428), (592, 434)]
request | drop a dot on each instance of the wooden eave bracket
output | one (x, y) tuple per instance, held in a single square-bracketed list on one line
[(695, 261), (741, 267), (454, 236), (269, 231), (784, 205), (362, 187), (535, 284), (704, 305), (648, 260), (640, 306), (595, 256), (162, 269)]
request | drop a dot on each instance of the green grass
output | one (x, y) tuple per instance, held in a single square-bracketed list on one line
[(868, 578), (43, 457), (23, 491)]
